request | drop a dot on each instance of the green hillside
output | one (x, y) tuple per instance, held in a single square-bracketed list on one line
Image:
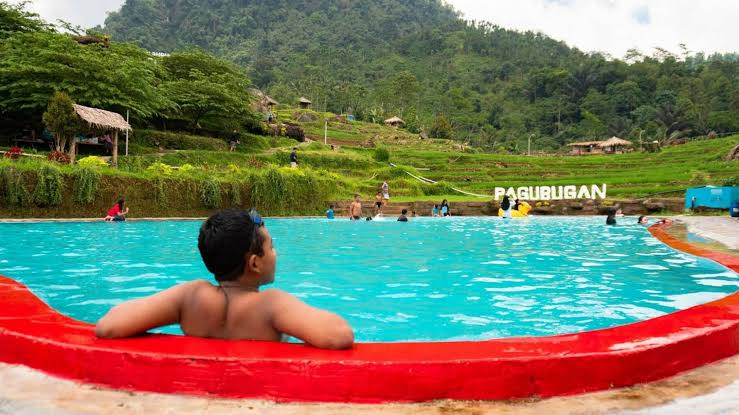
[(454, 79)]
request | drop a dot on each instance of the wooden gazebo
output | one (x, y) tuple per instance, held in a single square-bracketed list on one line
[(304, 102), (102, 120)]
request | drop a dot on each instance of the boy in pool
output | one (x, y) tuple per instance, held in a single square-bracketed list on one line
[(237, 249)]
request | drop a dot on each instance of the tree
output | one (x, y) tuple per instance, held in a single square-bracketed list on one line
[(206, 89), (63, 122), (34, 65), (441, 127), (15, 19)]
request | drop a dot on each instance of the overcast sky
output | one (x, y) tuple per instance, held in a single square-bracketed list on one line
[(611, 26)]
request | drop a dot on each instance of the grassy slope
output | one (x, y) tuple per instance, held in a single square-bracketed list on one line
[(353, 168)]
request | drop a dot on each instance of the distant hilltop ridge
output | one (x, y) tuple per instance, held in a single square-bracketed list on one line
[(420, 61)]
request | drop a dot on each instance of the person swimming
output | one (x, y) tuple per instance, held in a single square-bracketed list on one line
[(237, 248), (403, 217)]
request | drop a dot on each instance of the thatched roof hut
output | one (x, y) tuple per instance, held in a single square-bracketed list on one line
[(262, 103), (615, 145), (269, 101), (395, 122), (615, 141), (304, 102), (103, 120)]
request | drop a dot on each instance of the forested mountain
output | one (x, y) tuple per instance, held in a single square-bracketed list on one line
[(418, 59)]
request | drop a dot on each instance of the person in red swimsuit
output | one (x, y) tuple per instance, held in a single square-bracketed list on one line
[(118, 212)]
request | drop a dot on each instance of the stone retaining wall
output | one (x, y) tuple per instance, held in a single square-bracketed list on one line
[(552, 207)]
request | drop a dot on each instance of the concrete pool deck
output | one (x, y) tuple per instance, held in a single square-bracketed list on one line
[(712, 389), (722, 229)]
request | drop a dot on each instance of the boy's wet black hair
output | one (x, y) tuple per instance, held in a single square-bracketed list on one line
[(224, 240), (404, 211)]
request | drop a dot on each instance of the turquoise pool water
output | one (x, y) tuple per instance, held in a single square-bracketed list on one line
[(430, 279)]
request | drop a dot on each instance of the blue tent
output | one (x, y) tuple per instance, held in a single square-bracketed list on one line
[(711, 197)]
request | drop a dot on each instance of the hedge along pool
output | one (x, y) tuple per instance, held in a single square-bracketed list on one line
[(432, 279)]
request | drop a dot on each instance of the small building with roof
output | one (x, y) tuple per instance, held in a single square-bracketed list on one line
[(304, 103), (395, 122), (585, 147), (615, 145), (102, 120)]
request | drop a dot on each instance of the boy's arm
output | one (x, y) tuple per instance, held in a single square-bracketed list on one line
[(317, 327), (137, 316)]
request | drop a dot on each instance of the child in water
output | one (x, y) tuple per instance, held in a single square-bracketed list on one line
[(237, 248)]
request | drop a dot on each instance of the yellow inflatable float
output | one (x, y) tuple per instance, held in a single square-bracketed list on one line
[(522, 212)]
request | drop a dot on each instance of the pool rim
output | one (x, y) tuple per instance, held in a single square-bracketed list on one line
[(510, 368)]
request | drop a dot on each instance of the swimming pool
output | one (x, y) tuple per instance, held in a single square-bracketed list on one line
[(428, 280)]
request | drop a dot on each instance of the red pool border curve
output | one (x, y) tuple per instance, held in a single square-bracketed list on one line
[(33, 334)]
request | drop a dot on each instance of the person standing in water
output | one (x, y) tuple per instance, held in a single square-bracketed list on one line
[(611, 218), (506, 206), (445, 208), (330, 212), (355, 209), (403, 217), (378, 204)]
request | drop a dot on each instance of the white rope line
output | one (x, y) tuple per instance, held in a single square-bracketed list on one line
[(425, 180)]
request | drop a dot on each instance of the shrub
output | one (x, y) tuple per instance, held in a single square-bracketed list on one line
[(699, 177), (16, 193), (381, 154), (186, 168), (85, 185), (160, 168), (92, 162), (14, 153), (440, 188), (49, 186), (210, 194), (58, 156), (235, 194), (732, 181), (178, 141)]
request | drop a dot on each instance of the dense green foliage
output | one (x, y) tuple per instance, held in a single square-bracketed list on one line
[(16, 19), (471, 81), (49, 187), (61, 120), (187, 90), (37, 64)]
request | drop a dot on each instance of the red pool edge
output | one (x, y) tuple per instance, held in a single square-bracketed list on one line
[(34, 335)]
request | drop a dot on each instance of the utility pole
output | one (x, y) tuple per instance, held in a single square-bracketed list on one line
[(325, 131), (127, 133), (530, 135)]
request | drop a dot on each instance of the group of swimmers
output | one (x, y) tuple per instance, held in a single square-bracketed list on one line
[(613, 213)]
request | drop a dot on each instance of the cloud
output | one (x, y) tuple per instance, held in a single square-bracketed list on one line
[(641, 15), (85, 13), (614, 26)]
